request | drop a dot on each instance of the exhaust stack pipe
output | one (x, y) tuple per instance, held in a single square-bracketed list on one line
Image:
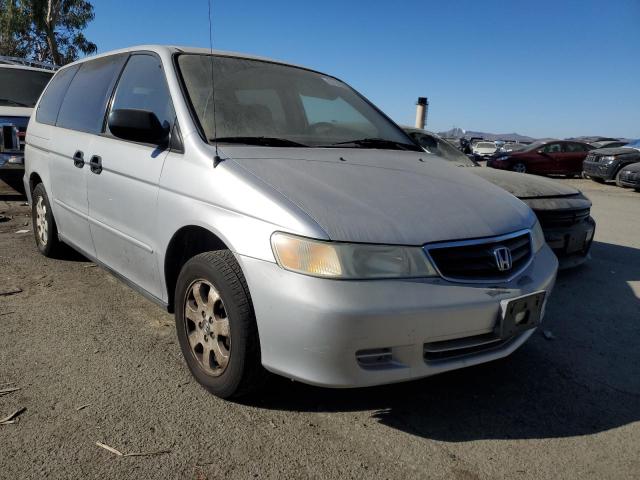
[(422, 105)]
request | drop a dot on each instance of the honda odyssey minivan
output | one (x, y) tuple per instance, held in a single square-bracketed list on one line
[(287, 222)]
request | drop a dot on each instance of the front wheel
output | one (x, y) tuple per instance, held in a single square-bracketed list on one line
[(44, 225), (216, 325), (519, 167)]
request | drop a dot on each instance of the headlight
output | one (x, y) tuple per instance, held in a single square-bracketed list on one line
[(349, 260), (537, 237), (608, 159)]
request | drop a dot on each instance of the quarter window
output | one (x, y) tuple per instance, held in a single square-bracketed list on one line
[(49, 105), (86, 100), (142, 86)]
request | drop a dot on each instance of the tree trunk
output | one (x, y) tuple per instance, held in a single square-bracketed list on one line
[(50, 26)]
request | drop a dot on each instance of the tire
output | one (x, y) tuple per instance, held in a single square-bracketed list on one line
[(224, 354), (519, 167), (45, 230)]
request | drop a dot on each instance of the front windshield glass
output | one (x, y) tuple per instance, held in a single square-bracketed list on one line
[(485, 145), (20, 87), (283, 105), (439, 146)]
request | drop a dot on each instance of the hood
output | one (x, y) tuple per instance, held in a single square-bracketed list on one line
[(383, 196), (523, 185), (634, 167), (616, 151)]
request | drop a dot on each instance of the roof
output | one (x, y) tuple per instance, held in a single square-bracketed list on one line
[(26, 64), (170, 49)]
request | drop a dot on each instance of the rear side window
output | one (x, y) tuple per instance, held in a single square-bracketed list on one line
[(84, 105), (142, 86), (49, 105)]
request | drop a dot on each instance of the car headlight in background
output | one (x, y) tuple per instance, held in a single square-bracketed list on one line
[(537, 237), (608, 159), (349, 260)]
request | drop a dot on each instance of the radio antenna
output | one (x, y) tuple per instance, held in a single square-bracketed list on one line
[(216, 158)]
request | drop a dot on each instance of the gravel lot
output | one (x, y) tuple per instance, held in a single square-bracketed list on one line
[(566, 407)]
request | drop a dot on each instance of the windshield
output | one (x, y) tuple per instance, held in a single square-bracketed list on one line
[(438, 146), (485, 145), (282, 106), (20, 87)]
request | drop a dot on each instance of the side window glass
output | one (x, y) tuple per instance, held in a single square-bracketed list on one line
[(552, 148), (142, 86), (84, 105), (49, 105)]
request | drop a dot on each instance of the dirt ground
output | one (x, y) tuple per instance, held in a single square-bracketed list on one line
[(96, 362)]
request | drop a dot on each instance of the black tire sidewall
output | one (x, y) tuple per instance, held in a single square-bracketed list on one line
[(52, 233), (226, 384)]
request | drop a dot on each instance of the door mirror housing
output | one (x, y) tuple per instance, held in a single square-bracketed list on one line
[(138, 126)]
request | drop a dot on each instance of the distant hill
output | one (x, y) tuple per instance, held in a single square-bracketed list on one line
[(509, 137)]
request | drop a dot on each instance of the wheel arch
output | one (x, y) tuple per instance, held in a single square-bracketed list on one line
[(186, 243)]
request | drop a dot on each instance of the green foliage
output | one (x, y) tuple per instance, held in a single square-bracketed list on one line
[(45, 30)]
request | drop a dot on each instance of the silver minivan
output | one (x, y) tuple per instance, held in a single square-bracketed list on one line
[(291, 226)]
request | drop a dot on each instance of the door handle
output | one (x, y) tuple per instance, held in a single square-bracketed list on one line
[(96, 164), (78, 159)]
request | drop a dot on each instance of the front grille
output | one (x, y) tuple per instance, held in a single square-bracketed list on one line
[(561, 218), (592, 157), (474, 260)]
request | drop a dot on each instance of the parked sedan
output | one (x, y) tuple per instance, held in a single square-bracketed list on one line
[(607, 163), (563, 211), (630, 176), (483, 150), (545, 157)]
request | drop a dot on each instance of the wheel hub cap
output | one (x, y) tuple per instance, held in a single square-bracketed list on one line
[(207, 327), (42, 226)]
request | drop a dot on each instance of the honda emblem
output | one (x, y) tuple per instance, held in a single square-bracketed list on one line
[(502, 256)]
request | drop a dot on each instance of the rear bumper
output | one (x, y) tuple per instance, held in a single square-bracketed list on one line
[(319, 331)]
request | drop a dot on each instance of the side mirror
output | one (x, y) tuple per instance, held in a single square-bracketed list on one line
[(138, 126)]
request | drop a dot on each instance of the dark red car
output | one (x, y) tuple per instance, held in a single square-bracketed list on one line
[(555, 156)]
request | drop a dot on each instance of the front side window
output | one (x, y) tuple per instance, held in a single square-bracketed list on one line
[(257, 100), (86, 100), (142, 86), (552, 148), (21, 87)]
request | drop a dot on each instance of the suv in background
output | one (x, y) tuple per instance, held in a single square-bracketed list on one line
[(21, 84), (285, 220), (607, 163)]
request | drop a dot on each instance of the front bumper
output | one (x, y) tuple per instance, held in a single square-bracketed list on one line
[(600, 170), (571, 244), (311, 328)]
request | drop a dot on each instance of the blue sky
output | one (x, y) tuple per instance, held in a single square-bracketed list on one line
[(540, 68)]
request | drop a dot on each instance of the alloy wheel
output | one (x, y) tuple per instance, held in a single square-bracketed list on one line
[(207, 327), (42, 225), (519, 167)]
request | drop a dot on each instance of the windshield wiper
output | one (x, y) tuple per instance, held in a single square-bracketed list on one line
[(375, 143), (13, 102), (266, 141)]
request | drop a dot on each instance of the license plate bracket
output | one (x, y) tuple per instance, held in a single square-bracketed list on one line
[(520, 314)]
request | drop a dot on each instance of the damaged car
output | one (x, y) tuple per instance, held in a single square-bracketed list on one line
[(606, 164), (563, 211), (288, 223)]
